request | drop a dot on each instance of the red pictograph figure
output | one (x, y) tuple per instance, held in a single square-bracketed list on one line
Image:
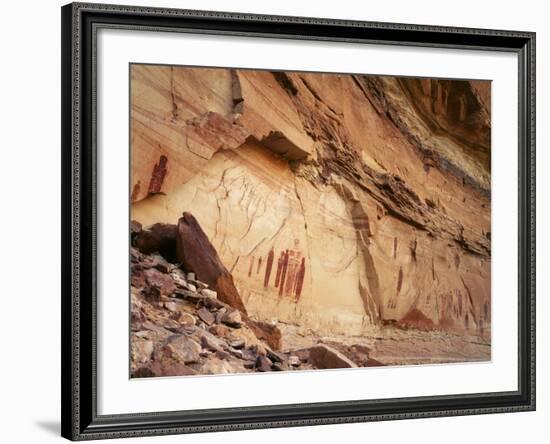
[(268, 267)]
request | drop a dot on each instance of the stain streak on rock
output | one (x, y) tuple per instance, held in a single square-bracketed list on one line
[(251, 266), (399, 279)]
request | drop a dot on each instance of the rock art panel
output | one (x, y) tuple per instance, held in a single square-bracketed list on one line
[(340, 204)]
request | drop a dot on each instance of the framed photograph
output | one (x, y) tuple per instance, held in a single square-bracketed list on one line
[(281, 221)]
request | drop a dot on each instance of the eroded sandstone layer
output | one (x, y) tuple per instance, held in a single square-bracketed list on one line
[(339, 204)]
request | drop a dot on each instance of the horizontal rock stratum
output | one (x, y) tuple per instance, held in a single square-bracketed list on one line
[(337, 202)]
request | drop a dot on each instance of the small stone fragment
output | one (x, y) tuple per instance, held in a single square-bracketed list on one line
[(274, 356), (323, 356), (178, 278), (160, 263), (172, 306), (263, 364), (206, 316), (160, 331), (220, 314), (267, 332), (169, 324), (209, 293), (213, 303), (210, 342), (222, 354), (186, 319), (141, 351), (163, 282), (236, 353), (182, 349), (216, 366), (279, 367), (233, 319), (219, 330), (188, 295), (199, 284)]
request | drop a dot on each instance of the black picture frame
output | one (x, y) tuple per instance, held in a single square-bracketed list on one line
[(80, 420)]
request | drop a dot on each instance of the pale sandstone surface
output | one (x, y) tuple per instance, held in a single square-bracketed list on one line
[(338, 203)]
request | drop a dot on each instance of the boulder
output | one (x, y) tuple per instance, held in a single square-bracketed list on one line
[(357, 353), (160, 238), (197, 255), (263, 364), (323, 356)]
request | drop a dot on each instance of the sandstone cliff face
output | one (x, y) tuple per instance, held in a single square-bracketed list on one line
[(339, 203)]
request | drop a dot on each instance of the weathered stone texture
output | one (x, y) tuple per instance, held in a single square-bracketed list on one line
[(343, 202)]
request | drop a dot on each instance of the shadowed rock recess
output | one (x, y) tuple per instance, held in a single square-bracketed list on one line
[(289, 220)]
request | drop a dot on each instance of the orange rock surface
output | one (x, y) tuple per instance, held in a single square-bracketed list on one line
[(339, 203)]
